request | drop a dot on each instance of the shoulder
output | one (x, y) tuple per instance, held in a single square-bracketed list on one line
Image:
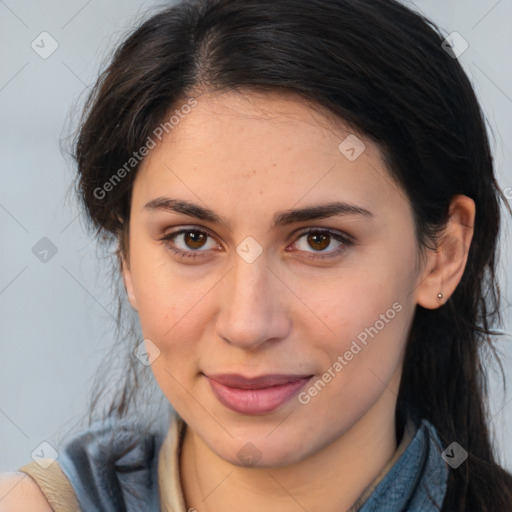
[(110, 465), (18, 493)]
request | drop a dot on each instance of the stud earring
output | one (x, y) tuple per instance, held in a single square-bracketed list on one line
[(439, 296)]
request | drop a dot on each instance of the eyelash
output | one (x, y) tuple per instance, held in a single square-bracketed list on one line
[(346, 243)]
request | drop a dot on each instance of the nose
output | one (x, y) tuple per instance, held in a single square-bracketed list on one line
[(253, 308)]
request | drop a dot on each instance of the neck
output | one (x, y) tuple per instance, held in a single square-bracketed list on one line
[(335, 476)]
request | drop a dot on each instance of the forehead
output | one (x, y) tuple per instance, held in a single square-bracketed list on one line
[(269, 147), (258, 120)]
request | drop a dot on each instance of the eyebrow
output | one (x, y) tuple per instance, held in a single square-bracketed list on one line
[(282, 218)]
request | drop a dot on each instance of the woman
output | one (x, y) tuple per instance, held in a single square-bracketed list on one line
[(304, 206)]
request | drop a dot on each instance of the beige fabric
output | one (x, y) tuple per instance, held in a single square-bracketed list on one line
[(169, 484), (53, 484)]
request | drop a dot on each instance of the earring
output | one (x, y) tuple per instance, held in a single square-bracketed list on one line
[(439, 296)]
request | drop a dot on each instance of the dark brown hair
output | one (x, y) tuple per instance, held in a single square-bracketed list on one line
[(381, 68)]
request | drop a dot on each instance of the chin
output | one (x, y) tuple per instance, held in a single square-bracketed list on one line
[(264, 453)]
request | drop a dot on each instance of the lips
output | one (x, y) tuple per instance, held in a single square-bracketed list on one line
[(257, 395)]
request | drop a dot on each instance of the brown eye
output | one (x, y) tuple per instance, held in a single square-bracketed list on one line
[(315, 242), (189, 243), (318, 241), (194, 239)]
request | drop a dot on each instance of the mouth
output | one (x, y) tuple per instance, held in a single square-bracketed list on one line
[(257, 395)]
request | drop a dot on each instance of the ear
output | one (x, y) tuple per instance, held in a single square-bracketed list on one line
[(445, 266), (127, 278)]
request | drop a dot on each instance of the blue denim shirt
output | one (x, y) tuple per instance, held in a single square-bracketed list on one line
[(109, 475), (417, 480)]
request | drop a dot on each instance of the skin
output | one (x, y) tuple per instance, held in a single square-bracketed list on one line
[(18, 493), (247, 157)]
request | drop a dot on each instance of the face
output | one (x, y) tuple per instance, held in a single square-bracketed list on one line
[(316, 303)]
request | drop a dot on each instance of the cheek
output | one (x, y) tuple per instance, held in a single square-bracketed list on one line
[(171, 318), (366, 315), (354, 302), (359, 363), (166, 301), (162, 293)]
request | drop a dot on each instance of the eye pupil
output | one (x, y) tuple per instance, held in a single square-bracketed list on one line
[(313, 237), (197, 238)]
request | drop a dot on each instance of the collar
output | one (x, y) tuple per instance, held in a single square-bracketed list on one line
[(414, 479)]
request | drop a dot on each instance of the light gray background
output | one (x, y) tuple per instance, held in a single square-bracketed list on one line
[(55, 317)]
